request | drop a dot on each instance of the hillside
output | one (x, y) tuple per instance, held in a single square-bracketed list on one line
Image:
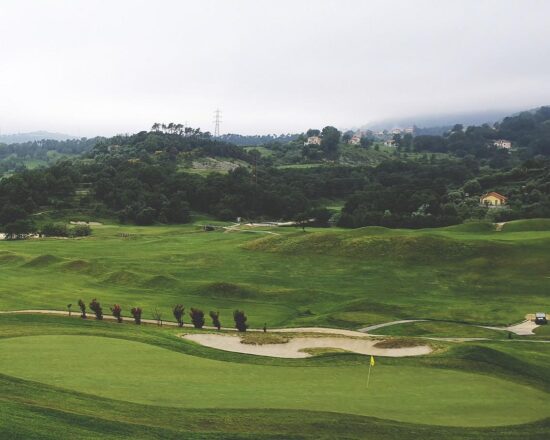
[(344, 278), (161, 175)]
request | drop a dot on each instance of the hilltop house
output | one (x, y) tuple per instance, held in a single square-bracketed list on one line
[(503, 143), (389, 143), (355, 140), (493, 199), (313, 140)]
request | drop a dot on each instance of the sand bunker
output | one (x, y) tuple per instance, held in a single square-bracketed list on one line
[(292, 349)]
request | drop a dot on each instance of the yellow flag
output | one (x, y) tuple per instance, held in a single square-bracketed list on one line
[(372, 361)]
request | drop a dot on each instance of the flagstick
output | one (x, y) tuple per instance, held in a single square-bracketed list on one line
[(368, 377)]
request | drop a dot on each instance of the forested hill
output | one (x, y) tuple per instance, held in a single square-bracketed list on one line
[(147, 178), (256, 140), (171, 146), (17, 156)]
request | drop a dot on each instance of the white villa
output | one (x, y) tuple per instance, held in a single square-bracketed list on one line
[(503, 143), (313, 140)]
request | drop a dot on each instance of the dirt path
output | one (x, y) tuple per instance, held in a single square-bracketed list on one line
[(387, 324), (295, 348), (76, 314), (524, 328), (237, 227)]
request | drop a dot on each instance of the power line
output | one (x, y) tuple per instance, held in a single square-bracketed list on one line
[(217, 122)]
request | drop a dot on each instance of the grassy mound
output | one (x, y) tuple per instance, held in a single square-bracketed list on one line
[(497, 361), (10, 257), (226, 290), (43, 261), (536, 224), (77, 266), (161, 282), (481, 227), (417, 248), (122, 277)]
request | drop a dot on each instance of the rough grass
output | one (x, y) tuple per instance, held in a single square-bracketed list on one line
[(161, 282), (260, 338), (10, 258), (226, 290), (399, 343), (122, 277), (43, 261), (334, 278), (538, 224), (370, 244)]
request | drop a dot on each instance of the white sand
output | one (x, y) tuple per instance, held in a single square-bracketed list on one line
[(292, 348)]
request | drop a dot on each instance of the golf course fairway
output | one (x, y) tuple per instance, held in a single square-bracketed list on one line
[(142, 373)]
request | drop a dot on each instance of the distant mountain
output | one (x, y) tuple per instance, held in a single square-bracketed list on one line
[(20, 138), (441, 122)]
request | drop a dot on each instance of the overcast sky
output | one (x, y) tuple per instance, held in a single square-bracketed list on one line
[(87, 67)]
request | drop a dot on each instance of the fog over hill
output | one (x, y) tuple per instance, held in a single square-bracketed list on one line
[(19, 138), (441, 120)]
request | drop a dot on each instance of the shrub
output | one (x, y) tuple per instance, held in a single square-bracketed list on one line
[(240, 320), (136, 313), (82, 309), (178, 311), (116, 310), (157, 316), (54, 230), (197, 317), (96, 308), (80, 231), (215, 319)]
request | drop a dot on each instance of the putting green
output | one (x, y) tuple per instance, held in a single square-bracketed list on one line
[(136, 372)]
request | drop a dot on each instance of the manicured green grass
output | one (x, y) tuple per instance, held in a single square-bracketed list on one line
[(343, 278), (91, 379), (141, 373)]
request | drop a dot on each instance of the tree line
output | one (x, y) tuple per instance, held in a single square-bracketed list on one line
[(139, 179), (196, 315)]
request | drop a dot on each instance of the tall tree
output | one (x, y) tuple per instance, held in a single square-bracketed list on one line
[(329, 142), (215, 319), (240, 320), (178, 312), (197, 317)]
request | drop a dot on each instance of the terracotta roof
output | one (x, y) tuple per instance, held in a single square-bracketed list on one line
[(495, 194)]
